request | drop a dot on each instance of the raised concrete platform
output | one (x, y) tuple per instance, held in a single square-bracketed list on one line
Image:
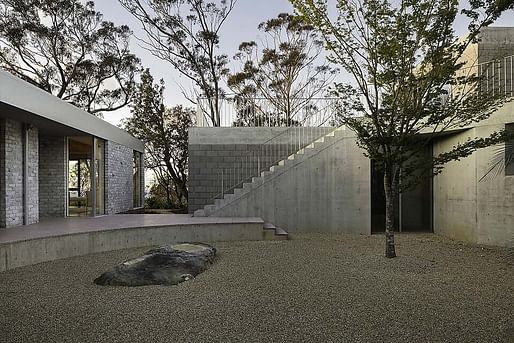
[(57, 238)]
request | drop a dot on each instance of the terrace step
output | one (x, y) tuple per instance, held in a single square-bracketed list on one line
[(272, 233)]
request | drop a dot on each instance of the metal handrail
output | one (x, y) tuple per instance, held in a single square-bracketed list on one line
[(257, 111), (266, 155)]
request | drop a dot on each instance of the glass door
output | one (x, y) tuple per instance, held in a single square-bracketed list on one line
[(80, 197), (86, 176), (99, 152)]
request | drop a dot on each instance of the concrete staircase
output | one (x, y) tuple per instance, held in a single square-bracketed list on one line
[(217, 209), (272, 233)]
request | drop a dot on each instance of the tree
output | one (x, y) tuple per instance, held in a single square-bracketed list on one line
[(65, 48), (283, 70), (185, 33), (406, 65), (164, 131)]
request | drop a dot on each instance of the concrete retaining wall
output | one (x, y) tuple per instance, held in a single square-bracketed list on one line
[(328, 190), (468, 209), (28, 252)]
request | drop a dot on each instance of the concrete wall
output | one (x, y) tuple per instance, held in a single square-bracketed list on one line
[(495, 42), (327, 190), (25, 252), (52, 176), (466, 208), (212, 150), (118, 178), (11, 174)]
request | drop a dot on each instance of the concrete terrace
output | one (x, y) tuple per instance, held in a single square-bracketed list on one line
[(66, 237)]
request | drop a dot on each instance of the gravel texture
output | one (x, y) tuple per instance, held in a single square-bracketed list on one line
[(314, 288)]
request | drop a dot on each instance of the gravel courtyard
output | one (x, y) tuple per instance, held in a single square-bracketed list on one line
[(314, 288)]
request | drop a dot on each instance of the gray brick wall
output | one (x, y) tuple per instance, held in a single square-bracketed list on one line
[(2, 172), (11, 166), (118, 178), (33, 176), (209, 162), (52, 176), (234, 151)]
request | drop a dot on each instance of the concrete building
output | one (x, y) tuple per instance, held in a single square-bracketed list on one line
[(320, 181), (57, 160)]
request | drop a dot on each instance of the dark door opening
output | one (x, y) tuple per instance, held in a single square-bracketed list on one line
[(413, 208)]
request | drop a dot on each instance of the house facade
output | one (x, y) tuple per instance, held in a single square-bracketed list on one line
[(58, 161), (307, 179)]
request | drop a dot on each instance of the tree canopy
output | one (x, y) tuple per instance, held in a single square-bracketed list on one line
[(186, 34), (283, 68), (409, 82), (164, 131), (66, 48)]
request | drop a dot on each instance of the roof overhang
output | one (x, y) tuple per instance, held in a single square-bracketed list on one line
[(24, 102)]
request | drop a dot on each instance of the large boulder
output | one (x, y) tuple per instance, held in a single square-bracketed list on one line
[(166, 265)]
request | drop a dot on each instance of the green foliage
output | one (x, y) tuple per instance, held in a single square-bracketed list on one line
[(409, 80), (164, 131), (65, 48), (282, 70), (185, 33), (158, 198)]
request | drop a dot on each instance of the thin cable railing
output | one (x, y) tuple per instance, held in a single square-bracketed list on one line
[(237, 111), (497, 76), (260, 158)]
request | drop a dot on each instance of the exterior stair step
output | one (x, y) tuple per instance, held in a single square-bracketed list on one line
[(199, 213), (272, 233)]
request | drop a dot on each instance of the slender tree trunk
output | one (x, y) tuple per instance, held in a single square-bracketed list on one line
[(390, 194)]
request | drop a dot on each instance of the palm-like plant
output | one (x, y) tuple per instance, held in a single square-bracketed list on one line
[(502, 161)]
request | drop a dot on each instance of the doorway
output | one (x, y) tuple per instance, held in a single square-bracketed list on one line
[(412, 208), (85, 176)]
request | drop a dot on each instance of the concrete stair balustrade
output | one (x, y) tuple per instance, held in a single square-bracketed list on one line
[(251, 197)]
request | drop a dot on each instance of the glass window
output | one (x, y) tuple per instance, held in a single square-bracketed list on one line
[(99, 176), (136, 179)]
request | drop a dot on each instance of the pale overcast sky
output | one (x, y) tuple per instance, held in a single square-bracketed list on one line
[(240, 26)]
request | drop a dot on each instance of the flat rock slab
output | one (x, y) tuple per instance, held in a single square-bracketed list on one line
[(166, 265)]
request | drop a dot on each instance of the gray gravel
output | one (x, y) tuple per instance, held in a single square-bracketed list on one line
[(315, 288)]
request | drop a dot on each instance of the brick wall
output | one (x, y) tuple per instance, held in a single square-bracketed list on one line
[(11, 174), (52, 176), (234, 151), (33, 176), (2, 172), (118, 178)]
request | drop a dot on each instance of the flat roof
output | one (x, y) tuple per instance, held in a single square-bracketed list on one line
[(22, 95)]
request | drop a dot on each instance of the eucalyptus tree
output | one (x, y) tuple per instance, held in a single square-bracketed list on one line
[(66, 48), (164, 131), (285, 69), (186, 34), (409, 82)]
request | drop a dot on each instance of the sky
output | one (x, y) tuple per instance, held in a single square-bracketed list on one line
[(240, 26)]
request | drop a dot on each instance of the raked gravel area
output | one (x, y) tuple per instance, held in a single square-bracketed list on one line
[(313, 288)]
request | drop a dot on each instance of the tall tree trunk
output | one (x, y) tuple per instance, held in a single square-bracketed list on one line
[(390, 188)]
